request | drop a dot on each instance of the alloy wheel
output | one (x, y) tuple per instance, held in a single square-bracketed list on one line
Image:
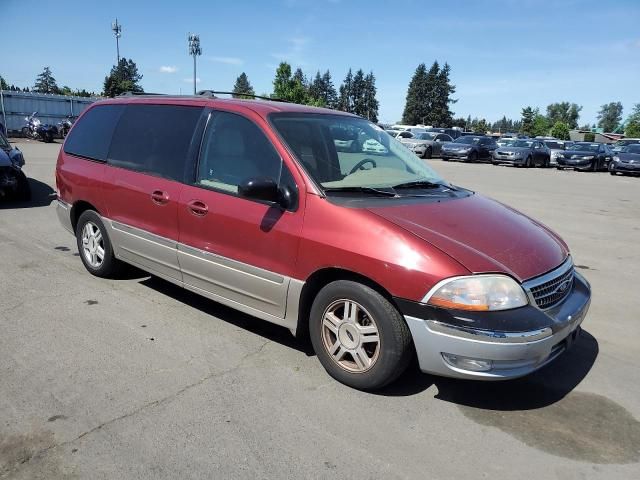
[(350, 336), (92, 245)]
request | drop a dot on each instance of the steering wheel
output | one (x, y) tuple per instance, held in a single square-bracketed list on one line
[(358, 166)]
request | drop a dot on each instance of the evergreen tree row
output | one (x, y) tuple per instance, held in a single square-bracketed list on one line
[(357, 94)]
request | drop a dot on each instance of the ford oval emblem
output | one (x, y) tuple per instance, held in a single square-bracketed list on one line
[(563, 286)]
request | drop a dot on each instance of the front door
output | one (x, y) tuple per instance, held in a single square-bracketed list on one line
[(238, 251)]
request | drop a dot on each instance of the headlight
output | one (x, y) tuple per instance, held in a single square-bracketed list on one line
[(588, 157), (616, 158), (478, 293), (559, 155), (465, 150)]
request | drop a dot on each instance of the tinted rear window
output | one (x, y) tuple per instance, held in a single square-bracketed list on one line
[(91, 136), (154, 139)]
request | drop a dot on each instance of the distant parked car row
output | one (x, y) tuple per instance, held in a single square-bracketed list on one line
[(520, 151)]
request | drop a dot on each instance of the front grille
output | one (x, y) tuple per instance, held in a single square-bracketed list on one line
[(554, 290)]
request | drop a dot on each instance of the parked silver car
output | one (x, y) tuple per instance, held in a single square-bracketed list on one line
[(556, 147), (427, 144)]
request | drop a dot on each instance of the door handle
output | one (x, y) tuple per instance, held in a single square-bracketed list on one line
[(198, 208), (159, 197)]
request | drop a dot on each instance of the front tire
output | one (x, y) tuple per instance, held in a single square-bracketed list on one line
[(359, 336), (472, 158), (527, 163), (94, 246), (428, 153)]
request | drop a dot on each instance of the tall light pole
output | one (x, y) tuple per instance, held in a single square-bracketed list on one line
[(194, 50), (117, 31)]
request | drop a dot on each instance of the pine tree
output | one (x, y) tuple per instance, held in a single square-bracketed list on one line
[(346, 96), (370, 100), (322, 89), (528, 115), (357, 94), (300, 77), (123, 77), (45, 83), (329, 94), (415, 109), (441, 115), (242, 87)]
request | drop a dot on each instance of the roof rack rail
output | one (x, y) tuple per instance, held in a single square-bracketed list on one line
[(139, 94), (213, 93)]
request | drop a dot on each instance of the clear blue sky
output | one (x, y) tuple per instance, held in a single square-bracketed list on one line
[(504, 54)]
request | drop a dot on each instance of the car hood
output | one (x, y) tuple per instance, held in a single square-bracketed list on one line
[(513, 149), (482, 234), (456, 146), (583, 153), (625, 157)]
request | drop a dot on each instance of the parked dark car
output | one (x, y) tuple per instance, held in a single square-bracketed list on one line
[(13, 182), (585, 156), (627, 161), (523, 153), (469, 148), (452, 132), (617, 147)]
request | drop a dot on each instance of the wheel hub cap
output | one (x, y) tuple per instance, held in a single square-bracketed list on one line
[(92, 245), (350, 336)]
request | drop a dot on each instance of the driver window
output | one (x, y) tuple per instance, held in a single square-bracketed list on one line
[(234, 149)]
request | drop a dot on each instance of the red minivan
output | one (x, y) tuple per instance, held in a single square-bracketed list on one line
[(319, 221)]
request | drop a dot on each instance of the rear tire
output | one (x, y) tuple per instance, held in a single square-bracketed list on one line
[(94, 246), (444, 159), (359, 336)]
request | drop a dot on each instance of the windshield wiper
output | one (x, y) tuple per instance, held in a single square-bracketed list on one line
[(422, 183), (375, 191)]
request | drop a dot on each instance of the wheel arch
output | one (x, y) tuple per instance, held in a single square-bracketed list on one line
[(78, 209), (318, 280)]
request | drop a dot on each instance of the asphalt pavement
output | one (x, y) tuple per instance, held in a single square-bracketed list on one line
[(136, 378)]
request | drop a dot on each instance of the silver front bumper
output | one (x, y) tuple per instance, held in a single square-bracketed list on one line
[(511, 354)]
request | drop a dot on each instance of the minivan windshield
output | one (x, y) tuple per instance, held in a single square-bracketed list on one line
[(370, 159)]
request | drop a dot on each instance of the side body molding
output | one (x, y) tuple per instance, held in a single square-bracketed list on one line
[(267, 295)]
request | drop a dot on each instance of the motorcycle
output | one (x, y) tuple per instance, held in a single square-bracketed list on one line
[(64, 126), (35, 129)]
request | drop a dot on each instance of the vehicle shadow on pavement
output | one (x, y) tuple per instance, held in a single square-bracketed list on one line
[(41, 196), (268, 331), (540, 389)]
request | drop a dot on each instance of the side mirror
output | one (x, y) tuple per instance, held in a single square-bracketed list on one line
[(267, 190)]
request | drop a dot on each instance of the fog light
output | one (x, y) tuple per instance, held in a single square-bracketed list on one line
[(464, 363)]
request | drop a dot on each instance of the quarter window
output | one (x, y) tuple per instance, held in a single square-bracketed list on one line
[(155, 139), (91, 137), (233, 150)]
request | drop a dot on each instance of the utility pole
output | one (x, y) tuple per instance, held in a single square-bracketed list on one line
[(194, 50), (117, 31)]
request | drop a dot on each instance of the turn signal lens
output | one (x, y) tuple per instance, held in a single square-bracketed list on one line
[(478, 293)]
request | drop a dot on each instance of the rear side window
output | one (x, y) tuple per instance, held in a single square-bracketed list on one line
[(91, 137), (154, 139)]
